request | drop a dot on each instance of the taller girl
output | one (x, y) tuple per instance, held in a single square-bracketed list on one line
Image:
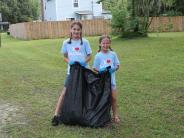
[(74, 49), (104, 58)]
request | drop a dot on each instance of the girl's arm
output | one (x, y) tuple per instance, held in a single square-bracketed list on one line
[(95, 70), (66, 58), (88, 58), (117, 67)]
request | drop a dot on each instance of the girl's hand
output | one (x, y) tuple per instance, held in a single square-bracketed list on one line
[(82, 63), (71, 62), (112, 70), (101, 70)]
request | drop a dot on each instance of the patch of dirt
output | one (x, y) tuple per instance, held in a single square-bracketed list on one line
[(9, 114)]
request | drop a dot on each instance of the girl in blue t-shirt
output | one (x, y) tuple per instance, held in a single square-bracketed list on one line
[(104, 58), (74, 49)]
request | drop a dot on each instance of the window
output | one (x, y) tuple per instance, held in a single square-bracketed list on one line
[(70, 19), (75, 3)]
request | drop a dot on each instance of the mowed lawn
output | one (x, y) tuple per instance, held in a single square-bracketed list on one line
[(150, 84)]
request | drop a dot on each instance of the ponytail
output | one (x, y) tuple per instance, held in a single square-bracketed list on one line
[(110, 48), (81, 39), (70, 40), (99, 49)]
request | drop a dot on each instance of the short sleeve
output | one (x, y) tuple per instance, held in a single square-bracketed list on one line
[(116, 60), (88, 48), (96, 63), (64, 49)]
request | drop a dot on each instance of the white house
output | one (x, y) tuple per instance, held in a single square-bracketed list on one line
[(56, 10)]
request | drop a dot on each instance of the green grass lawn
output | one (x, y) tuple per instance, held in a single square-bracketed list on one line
[(150, 85)]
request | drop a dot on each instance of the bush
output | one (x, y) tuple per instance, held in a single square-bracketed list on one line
[(125, 25)]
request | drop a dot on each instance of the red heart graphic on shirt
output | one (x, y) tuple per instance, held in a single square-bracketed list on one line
[(108, 61), (77, 48)]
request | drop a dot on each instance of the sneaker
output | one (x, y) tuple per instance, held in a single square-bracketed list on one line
[(55, 121)]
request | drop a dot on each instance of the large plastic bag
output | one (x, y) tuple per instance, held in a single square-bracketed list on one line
[(87, 101)]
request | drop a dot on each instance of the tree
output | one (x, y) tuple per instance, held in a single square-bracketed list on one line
[(131, 18), (15, 11), (144, 9), (179, 6), (176, 7)]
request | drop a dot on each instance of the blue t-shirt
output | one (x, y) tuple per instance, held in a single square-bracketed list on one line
[(76, 51), (103, 60)]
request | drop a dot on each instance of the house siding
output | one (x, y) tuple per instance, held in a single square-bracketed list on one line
[(63, 9), (97, 9), (50, 10)]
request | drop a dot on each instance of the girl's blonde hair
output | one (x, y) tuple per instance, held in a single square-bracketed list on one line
[(100, 40), (71, 26)]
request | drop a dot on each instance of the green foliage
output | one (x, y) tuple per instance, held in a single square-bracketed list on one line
[(119, 18), (125, 25), (132, 18), (15, 11), (172, 8), (125, 22), (179, 6), (108, 4)]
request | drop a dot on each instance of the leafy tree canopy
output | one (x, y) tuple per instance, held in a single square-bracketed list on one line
[(131, 18), (15, 11)]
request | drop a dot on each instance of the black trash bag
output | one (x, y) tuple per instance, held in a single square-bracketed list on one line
[(87, 100)]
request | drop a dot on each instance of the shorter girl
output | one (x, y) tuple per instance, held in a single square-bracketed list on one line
[(104, 58)]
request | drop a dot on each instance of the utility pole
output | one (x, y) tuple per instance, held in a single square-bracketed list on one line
[(42, 5), (92, 9)]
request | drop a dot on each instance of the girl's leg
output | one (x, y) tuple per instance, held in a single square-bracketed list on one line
[(61, 97), (115, 117), (60, 102), (55, 119)]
